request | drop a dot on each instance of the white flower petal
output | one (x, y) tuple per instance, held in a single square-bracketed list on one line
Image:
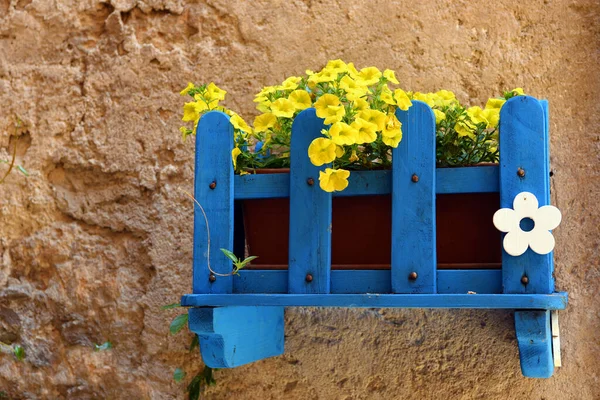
[(525, 204), (547, 218), (541, 241), (516, 242), (505, 220)]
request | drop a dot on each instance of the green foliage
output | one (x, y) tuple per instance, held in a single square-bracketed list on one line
[(103, 347), (178, 375), (178, 323), (19, 352), (170, 306), (237, 263)]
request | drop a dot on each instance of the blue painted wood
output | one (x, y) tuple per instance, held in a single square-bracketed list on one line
[(233, 336), (484, 179), (310, 216), (375, 281), (214, 142), (544, 104), (413, 202), (523, 144), (554, 301), (535, 343)]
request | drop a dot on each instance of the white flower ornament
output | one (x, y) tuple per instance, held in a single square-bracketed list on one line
[(539, 239)]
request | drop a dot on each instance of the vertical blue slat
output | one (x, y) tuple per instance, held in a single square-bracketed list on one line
[(413, 203), (544, 104), (523, 144), (310, 212), (214, 142)]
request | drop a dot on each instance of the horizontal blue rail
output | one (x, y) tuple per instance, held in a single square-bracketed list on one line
[(373, 281), (554, 301), (483, 179)]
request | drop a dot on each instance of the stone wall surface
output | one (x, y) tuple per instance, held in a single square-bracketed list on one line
[(98, 237)]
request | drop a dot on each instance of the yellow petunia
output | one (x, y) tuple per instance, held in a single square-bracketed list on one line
[(343, 134), (329, 107), (323, 77), (264, 106), (352, 71), (489, 116), (386, 96), (234, 155), (518, 91), (300, 99), (353, 156), (392, 132), (369, 76), (439, 115), (393, 141), (353, 87), (402, 99), (283, 108), (333, 179), (339, 151), (495, 103), (264, 122), (367, 131), (187, 89), (239, 123), (321, 151), (390, 76), (192, 110), (375, 117), (443, 98), (290, 83), (424, 97), (214, 92), (337, 66), (464, 129), (360, 104)]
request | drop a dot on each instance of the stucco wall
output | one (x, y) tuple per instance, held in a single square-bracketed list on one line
[(98, 237)]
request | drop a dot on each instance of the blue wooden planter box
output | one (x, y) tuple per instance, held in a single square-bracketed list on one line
[(239, 319)]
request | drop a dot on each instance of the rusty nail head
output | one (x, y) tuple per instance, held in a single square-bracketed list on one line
[(412, 276), (310, 181), (213, 185), (212, 278), (415, 178), (308, 278), (521, 172), (524, 280)]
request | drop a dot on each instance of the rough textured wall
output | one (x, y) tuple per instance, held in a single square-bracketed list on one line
[(99, 237)]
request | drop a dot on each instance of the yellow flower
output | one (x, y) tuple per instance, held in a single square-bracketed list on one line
[(443, 98), (214, 92), (321, 151), (393, 141), (343, 134), (337, 66), (187, 89), (350, 85), (386, 96), (390, 76), (402, 99), (192, 110), (324, 76), (264, 106), (495, 103), (367, 131), (234, 155), (369, 76), (375, 117), (339, 151), (489, 116), (239, 123), (328, 107), (392, 132), (493, 117), (300, 99), (439, 116), (353, 156), (333, 179), (352, 71), (283, 108), (290, 83), (464, 129), (426, 98), (518, 91), (360, 104), (264, 122)]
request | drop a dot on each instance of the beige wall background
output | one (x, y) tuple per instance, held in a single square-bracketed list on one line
[(98, 237)]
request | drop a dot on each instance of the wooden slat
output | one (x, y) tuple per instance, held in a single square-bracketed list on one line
[(535, 342), (524, 144), (555, 301), (214, 142), (373, 281), (310, 216), (413, 203), (482, 179)]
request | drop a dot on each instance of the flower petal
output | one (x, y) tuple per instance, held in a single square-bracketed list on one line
[(547, 218), (505, 220), (516, 242), (525, 204), (541, 241)]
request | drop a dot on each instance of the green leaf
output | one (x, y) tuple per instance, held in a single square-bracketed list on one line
[(22, 170), (178, 375), (194, 387), (19, 352), (104, 346), (208, 376), (195, 343), (171, 306), (178, 323), (230, 255), (247, 260)]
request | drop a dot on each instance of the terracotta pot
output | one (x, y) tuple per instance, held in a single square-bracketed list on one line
[(361, 231)]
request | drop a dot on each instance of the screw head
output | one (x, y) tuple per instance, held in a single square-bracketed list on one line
[(212, 278), (308, 278), (415, 178), (412, 276), (524, 280), (310, 181), (521, 172), (213, 185)]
